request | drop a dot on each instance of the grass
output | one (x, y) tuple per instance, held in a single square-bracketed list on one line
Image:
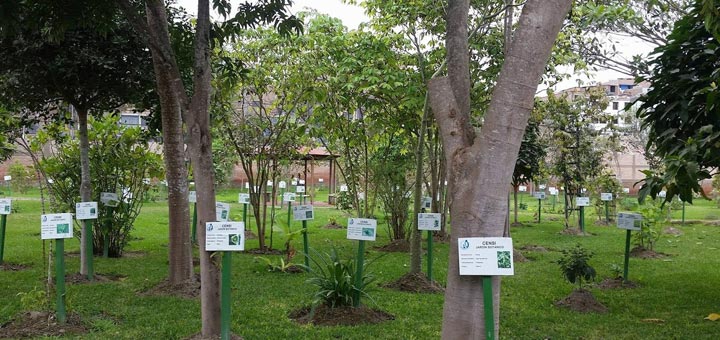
[(680, 290)]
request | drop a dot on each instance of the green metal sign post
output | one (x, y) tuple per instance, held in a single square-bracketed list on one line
[(305, 244), (193, 226), (106, 231), (683, 220), (627, 256), (360, 263), (607, 212), (289, 213), (429, 255), (3, 223), (89, 249), (488, 304), (582, 219), (60, 280), (225, 296), (539, 209)]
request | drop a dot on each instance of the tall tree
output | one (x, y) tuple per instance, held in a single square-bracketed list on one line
[(530, 157), (193, 106), (681, 109), (486, 159), (93, 70)]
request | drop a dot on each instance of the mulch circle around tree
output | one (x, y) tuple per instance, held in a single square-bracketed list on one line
[(415, 283), (581, 300), (534, 247), (13, 267), (199, 336), (333, 225), (131, 254), (41, 324), (77, 278), (575, 232), (266, 251), (672, 231), (188, 290), (249, 235), (616, 283), (643, 253), (396, 246), (519, 257), (339, 316)]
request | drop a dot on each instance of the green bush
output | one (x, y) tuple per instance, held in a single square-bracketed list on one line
[(22, 177), (120, 162), (343, 200), (574, 265), (335, 280), (653, 219), (629, 203)]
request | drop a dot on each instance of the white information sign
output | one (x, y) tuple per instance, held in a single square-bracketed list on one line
[(282, 184), (303, 212), (662, 194), (109, 199), (224, 236), (293, 182), (301, 182), (86, 211), (553, 191), (626, 190), (192, 197), (542, 186), (5, 206), (7, 178), (247, 185), (222, 212), (363, 229), (321, 180), (539, 195), (486, 256), (582, 201), (54, 226), (269, 183), (343, 188), (244, 198), (429, 221), (606, 196), (522, 188), (427, 202), (300, 189), (289, 197), (629, 221)]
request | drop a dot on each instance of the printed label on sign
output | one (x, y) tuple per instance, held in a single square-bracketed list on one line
[(289, 197), (303, 212), (282, 185), (343, 188), (553, 191), (582, 201), (522, 188), (5, 206), (301, 182), (542, 186), (86, 211), (427, 202), (626, 190), (606, 196), (224, 236), (222, 212), (269, 183), (429, 221), (300, 189), (486, 256), (321, 180), (7, 178), (109, 199), (54, 226), (293, 182), (629, 221), (361, 229), (192, 197), (662, 194), (539, 195), (244, 198)]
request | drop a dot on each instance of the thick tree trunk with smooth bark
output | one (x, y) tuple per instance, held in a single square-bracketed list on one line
[(487, 160), (85, 183)]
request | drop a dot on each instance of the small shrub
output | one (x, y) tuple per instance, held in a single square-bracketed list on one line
[(653, 219), (574, 265), (629, 203), (344, 201), (523, 206), (279, 266), (616, 270), (34, 300), (22, 177), (335, 280)]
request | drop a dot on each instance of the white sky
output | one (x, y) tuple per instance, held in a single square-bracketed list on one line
[(352, 16)]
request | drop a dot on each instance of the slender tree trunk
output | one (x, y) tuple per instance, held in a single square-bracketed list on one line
[(486, 161), (515, 202), (85, 184), (415, 234)]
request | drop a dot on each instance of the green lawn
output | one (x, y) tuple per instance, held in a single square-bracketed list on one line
[(680, 290)]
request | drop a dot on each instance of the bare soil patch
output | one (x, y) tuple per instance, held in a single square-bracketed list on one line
[(41, 324), (189, 289), (672, 231), (415, 283), (534, 247), (132, 254), (575, 232), (249, 235), (77, 278), (13, 267), (396, 246), (519, 257), (333, 225), (266, 251), (199, 336), (643, 253), (616, 283), (581, 300), (345, 316)]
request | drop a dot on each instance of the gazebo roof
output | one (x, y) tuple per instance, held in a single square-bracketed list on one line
[(315, 154)]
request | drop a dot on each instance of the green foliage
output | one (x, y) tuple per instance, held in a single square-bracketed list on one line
[(280, 266), (575, 267), (680, 110), (120, 162), (334, 279), (654, 218), (606, 181), (343, 200), (628, 203), (392, 170), (34, 300), (531, 155), (22, 177)]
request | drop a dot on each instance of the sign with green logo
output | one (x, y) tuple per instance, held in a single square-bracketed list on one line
[(426, 202), (363, 229), (303, 212), (429, 221), (300, 189), (222, 212), (86, 211), (629, 221), (582, 201), (289, 197), (606, 196), (539, 195), (5, 206), (192, 197), (244, 198), (225, 236), (54, 226), (485, 256)]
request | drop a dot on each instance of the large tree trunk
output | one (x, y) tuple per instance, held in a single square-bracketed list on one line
[(480, 168), (85, 184)]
